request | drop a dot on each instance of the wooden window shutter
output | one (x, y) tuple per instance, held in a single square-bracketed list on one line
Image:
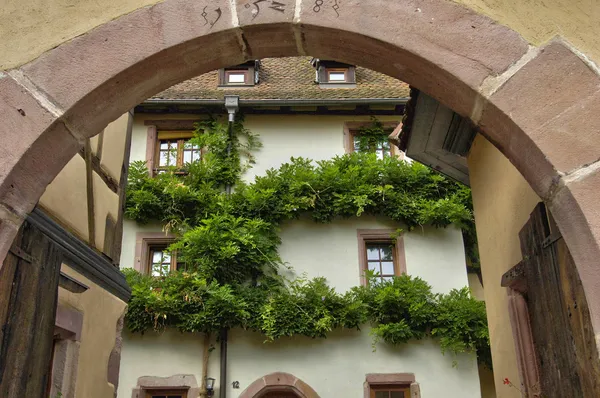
[(323, 75), (559, 317), (351, 74), (222, 77)]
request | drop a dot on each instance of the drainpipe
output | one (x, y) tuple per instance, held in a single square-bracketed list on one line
[(232, 106), (223, 373)]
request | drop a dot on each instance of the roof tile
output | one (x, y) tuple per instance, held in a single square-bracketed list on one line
[(289, 78)]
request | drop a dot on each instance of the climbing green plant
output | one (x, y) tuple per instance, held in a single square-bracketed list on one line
[(229, 243)]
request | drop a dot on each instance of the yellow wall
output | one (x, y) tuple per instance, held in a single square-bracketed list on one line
[(66, 198), (502, 201), (101, 311), (540, 20), (31, 27)]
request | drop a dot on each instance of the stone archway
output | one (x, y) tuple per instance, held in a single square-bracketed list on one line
[(279, 384), (539, 106)]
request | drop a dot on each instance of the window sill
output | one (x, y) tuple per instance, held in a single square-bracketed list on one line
[(235, 85), (180, 172), (337, 85)]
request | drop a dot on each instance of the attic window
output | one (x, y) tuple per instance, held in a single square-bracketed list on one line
[(241, 75), (334, 74)]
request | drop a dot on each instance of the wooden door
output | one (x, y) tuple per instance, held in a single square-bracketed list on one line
[(28, 294), (560, 326)]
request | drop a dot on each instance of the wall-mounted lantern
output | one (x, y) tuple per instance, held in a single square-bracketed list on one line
[(210, 386)]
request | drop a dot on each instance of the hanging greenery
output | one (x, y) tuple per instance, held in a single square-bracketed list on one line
[(229, 243)]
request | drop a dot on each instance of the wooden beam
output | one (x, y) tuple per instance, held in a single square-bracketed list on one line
[(89, 178), (118, 233), (28, 297), (110, 182), (172, 124), (515, 278)]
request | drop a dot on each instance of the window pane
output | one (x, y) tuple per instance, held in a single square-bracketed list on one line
[(387, 278), (374, 266), (164, 158), (157, 257), (161, 262), (379, 154), (156, 270), (372, 252), (397, 394), (236, 78), (386, 252), (187, 156), (164, 145), (337, 77), (382, 394), (387, 268)]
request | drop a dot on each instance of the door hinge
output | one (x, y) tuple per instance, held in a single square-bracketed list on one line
[(22, 254)]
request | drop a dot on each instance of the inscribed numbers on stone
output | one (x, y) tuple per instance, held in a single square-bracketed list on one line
[(319, 4), (204, 15), (274, 5)]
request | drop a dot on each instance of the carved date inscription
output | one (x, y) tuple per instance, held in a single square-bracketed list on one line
[(318, 5), (217, 15), (272, 4)]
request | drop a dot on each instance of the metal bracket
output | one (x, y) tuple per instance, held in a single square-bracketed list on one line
[(551, 239), (22, 254)]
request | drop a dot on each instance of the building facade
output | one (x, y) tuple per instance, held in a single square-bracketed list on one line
[(312, 109), (69, 248)]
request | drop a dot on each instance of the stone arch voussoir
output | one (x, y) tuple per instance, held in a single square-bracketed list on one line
[(279, 382)]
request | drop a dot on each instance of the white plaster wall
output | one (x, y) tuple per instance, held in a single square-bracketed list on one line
[(313, 137), (335, 367), (331, 251), (163, 355), (437, 256)]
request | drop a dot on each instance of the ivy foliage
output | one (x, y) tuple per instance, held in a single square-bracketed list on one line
[(399, 310), (229, 243)]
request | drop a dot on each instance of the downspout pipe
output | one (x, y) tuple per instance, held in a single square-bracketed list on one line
[(232, 104), (223, 372)]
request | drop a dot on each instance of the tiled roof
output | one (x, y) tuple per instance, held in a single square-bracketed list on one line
[(289, 78)]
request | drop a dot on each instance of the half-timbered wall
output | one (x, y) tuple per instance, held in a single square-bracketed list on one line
[(87, 195)]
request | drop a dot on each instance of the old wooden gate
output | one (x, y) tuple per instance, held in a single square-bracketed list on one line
[(559, 324), (28, 294)]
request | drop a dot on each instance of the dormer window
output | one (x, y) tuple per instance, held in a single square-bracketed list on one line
[(241, 75), (334, 74)]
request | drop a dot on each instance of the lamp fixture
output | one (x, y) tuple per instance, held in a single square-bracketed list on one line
[(210, 386)]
